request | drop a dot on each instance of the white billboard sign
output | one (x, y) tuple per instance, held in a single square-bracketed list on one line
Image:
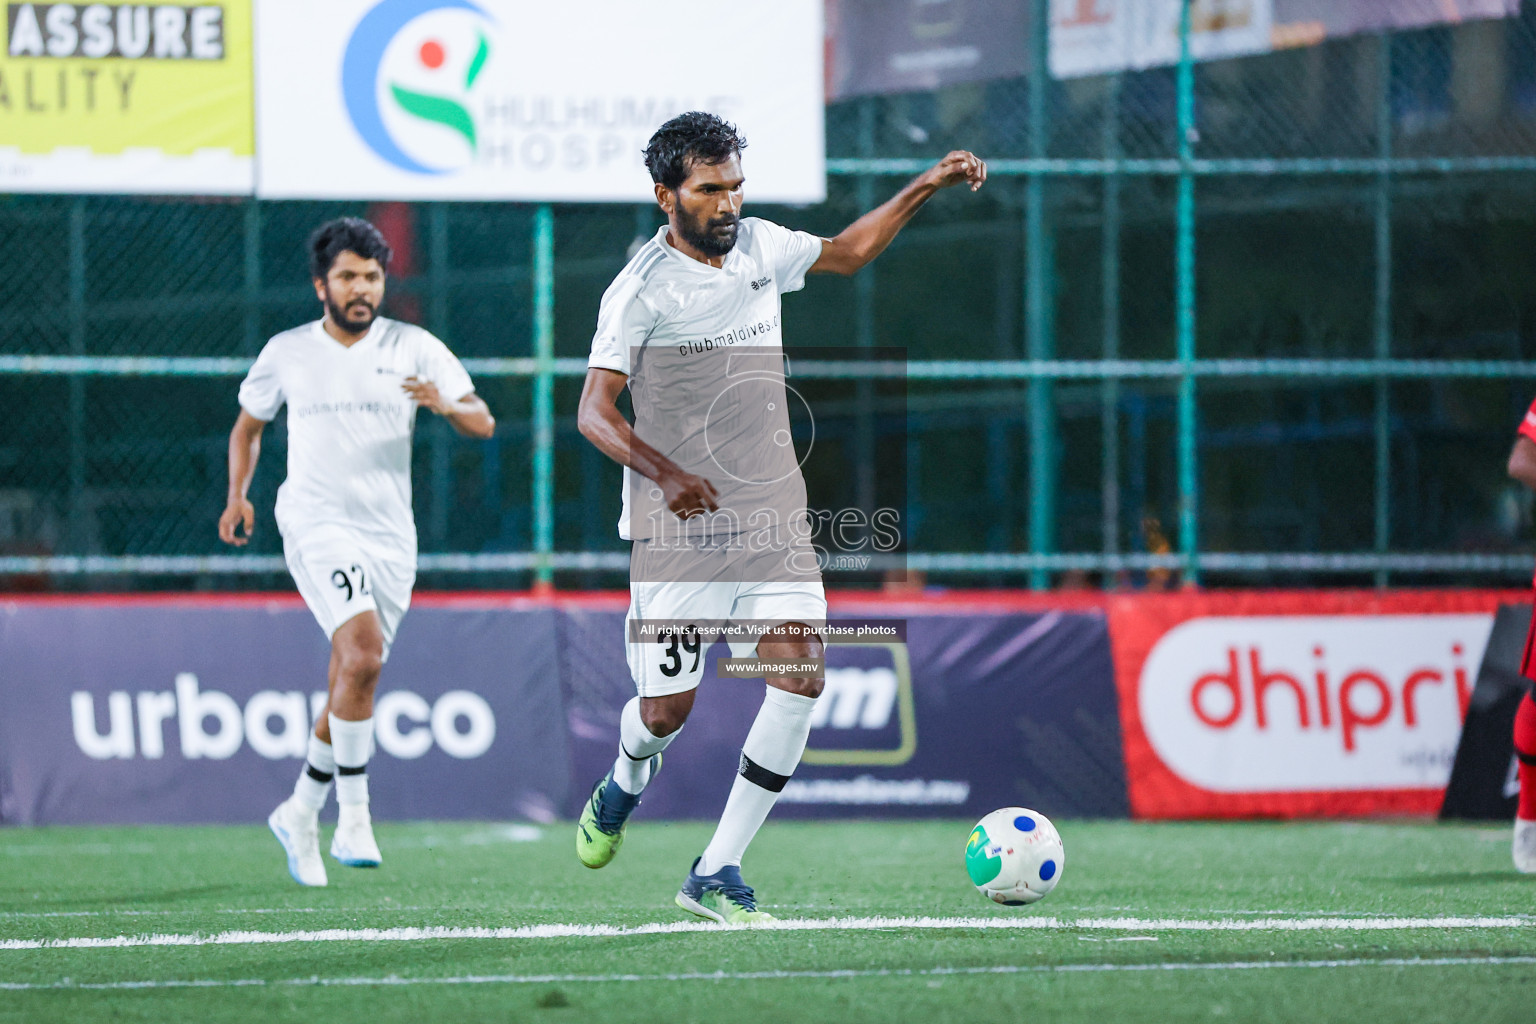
[(518, 100), (1092, 37)]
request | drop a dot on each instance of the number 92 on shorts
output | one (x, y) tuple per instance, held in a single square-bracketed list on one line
[(340, 576)]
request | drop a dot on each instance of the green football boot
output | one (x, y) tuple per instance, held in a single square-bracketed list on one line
[(600, 830), (721, 897)]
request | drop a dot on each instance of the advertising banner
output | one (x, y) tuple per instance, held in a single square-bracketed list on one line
[(195, 711), (916, 45), (487, 99), (128, 97), (1091, 37), (980, 708), (1295, 704)]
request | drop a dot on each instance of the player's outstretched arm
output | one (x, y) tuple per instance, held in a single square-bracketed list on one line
[(867, 237), (244, 451), (599, 420), (469, 416), (1522, 462)]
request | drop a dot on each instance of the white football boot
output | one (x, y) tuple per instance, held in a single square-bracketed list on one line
[(298, 829), (353, 844), (1525, 846)]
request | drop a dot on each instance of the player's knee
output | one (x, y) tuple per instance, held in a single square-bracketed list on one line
[(808, 686), (662, 721), (360, 663)]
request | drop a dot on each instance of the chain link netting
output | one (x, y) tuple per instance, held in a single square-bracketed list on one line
[(1344, 262)]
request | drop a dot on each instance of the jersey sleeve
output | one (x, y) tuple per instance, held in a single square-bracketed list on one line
[(261, 393), (1528, 425), (790, 253), (440, 366), (624, 321)]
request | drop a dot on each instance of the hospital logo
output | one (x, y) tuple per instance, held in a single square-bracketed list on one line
[(408, 76)]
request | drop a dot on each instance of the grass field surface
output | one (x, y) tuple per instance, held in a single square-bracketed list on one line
[(470, 922)]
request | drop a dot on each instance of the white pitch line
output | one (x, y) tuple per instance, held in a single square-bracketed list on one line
[(892, 972), (565, 931)]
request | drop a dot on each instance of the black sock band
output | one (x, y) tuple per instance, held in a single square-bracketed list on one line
[(756, 774), (1525, 758), (316, 774), (361, 769)]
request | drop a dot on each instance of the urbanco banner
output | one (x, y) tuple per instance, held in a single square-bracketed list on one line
[(505, 100), (1287, 704), (127, 98), (186, 710)]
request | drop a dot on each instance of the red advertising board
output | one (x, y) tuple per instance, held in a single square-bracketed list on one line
[(1295, 704)]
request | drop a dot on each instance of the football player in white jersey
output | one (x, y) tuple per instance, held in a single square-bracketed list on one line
[(352, 381), (714, 502)]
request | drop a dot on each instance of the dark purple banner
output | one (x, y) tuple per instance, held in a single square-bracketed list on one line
[(880, 46), (190, 712), (976, 711)]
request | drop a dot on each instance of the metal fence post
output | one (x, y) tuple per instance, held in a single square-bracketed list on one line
[(1109, 268), (544, 394), (252, 238), (1189, 468), (437, 271), (864, 325), (1382, 313), (1038, 340), (76, 526)]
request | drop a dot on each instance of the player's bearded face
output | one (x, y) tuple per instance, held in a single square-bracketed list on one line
[(713, 236), (352, 292), (709, 207)]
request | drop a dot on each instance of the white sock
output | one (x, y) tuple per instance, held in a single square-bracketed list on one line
[(637, 745), (315, 780), (768, 759), (353, 743)]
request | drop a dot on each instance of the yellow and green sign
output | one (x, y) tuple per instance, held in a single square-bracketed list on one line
[(127, 97)]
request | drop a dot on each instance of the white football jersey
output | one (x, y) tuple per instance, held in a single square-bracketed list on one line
[(349, 423), (703, 350)]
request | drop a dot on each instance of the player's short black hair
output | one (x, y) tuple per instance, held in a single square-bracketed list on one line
[(689, 139), (345, 234)]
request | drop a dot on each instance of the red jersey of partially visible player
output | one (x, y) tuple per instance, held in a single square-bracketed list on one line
[(1528, 661)]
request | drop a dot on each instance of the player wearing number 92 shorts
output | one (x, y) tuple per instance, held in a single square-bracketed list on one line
[(353, 382)]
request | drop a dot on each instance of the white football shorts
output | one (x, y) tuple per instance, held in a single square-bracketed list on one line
[(341, 575), (668, 664)]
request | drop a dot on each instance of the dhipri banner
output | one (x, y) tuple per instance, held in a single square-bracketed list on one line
[(180, 711), (127, 97), (489, 99), (1295, 704)]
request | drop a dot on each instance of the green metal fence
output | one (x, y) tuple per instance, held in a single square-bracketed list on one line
[(1255, 320)]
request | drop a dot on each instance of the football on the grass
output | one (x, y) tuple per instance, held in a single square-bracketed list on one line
[(1014, 856)]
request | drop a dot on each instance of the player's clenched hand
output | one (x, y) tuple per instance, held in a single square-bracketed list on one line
[(238, 514), (957, 168), (688, 495), (425, 394)]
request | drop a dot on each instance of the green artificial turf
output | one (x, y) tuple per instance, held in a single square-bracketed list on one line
[(103, 882)]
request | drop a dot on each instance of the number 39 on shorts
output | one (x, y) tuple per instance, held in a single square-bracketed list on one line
[(675, 650)]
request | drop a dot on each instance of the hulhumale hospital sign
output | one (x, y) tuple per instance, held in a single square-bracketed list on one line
[(491, 99)]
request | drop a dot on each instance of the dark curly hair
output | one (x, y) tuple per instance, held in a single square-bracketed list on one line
[(345, 234), (690, 139)]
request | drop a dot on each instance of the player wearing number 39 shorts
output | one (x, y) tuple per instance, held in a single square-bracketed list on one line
[(714, 500), (353, 382)]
